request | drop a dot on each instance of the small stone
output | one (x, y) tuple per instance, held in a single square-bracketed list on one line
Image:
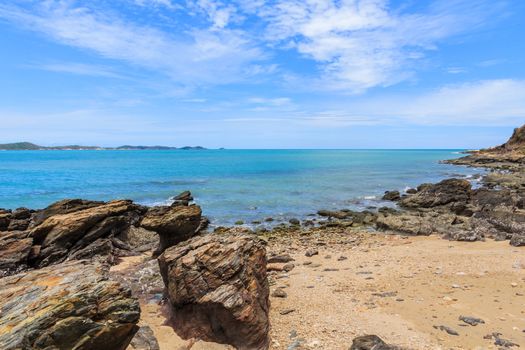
[(288, 267), (341, 258), (514, 284), (279, 293), (473, 321), (286, 311), (447, 329), (311, 252)]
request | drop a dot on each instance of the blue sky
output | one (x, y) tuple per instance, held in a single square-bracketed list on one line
[(263, 74)]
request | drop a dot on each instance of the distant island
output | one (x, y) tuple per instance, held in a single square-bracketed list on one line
[(28, 146)]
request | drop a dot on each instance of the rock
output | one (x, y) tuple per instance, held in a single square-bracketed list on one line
[(239, 222), (448, 191), (184, 196), (14, 253), (286, 311), (311, 252), (411, 191), (334, 214), (392, 196), (71, 305), (284, 258), (279, 293), (288, 267), (21, 214), (517, 240), (173, 224), (473, 321), (295, 222), (218, 289), (144, 339), (65, 206), (371, 342), (447, 329), (60, 236)]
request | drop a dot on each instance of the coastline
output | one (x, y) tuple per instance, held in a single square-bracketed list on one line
[(325, 280)]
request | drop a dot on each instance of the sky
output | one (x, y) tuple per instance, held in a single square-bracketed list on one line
[(262, 73)]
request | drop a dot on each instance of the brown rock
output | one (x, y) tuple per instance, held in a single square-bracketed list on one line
[(173, 224), (72, 305), (371, 342), (14, 253), (62, 235), (218, 289)]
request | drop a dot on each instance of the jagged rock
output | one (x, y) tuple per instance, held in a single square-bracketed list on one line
[(218, 289), (65, 206), (5, 219), (63, 235), (392, 196), (71, 305), (144, 340), (173, 224), (448, 191), (14, 252), (371, 342)]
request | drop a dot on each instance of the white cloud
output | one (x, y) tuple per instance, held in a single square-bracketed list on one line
[(356, 44), (360, 44), (193, 57), (79, 69)]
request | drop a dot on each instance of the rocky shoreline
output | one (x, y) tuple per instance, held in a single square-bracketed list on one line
[(64, 285)]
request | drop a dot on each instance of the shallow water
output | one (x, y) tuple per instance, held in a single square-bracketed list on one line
[(229, 184)]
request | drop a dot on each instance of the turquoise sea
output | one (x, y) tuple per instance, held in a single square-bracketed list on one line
[(230, 185)]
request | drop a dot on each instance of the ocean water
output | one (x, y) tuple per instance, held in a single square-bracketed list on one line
[(230, 185)]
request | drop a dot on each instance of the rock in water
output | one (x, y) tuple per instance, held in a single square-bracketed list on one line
[(371, 342), (173, 224), (455, 191), (69, 306), (392, 196), (218, 289)]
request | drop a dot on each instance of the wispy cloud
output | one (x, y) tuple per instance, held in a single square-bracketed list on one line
[(360, 44), (356, 44), (79, 69), (191, 57)]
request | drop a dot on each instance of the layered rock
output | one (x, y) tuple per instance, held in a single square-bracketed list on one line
[(82, 233), (173, 224), (69, 306), (218, 289)]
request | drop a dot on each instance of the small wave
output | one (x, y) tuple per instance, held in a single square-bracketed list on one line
[(369, 197)]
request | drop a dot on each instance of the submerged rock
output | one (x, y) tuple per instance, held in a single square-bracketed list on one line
[(69, 306), (218, 289)]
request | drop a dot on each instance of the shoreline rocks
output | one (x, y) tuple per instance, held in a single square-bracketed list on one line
[(218, 289), (71, 305)]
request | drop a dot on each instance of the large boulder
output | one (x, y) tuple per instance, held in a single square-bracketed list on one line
[(451, 191), (69, 306), (173, 224), (63, 233), (218, 289)]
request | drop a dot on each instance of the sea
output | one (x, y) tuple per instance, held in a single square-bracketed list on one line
[(230, 185)]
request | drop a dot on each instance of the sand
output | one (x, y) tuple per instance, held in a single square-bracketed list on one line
[(393, 286), (400, 288)]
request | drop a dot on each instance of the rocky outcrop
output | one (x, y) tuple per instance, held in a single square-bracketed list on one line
[(392, 196), (451, 191), (173, 224), (15, 248), (69, 306), (218, 289), (81, 233)]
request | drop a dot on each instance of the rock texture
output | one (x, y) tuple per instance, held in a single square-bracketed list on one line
[(70, 306), (218, 289), (81, 233), (173, 224), (371, 342)]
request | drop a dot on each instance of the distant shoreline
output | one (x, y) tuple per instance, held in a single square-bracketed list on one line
[(28, 146)]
